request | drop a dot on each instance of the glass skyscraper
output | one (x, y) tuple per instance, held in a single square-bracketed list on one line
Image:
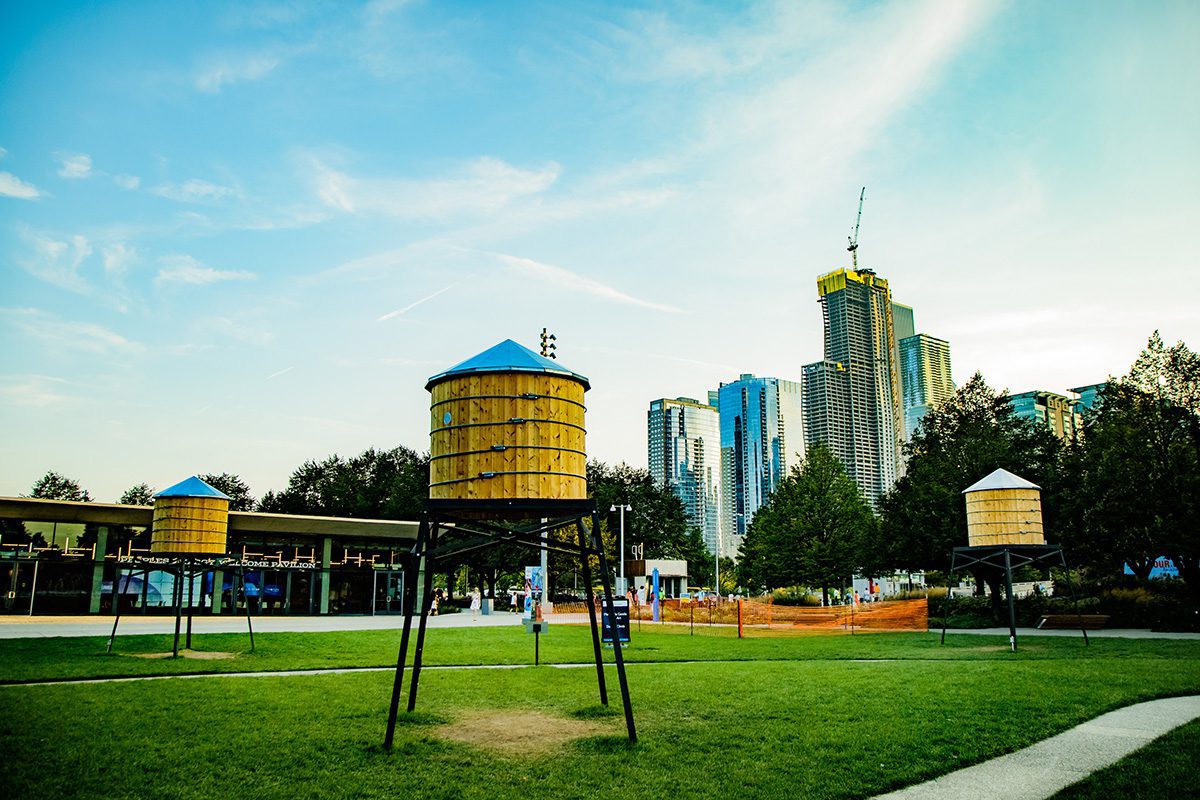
[(684, 448), (852, 399), (762, 438), (925, 376), (1059, 413)]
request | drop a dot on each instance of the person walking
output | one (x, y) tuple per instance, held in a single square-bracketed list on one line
[(475, 603)]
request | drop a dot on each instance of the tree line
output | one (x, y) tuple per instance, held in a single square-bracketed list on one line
[(393, 484), (1125, 492)]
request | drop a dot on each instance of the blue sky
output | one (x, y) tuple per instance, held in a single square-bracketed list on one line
[(234, 237)]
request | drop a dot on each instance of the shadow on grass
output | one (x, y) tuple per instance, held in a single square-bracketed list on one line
[(602, 745), (596, 712)]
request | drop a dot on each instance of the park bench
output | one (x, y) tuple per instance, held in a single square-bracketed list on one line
[(1090, 622)]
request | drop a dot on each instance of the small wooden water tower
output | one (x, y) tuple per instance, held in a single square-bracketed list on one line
[(507, 425), (1004, 532), (508, 466), (190, 518), (1004, 509)]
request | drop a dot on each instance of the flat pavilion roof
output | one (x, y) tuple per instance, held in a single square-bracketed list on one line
[(32, 510)]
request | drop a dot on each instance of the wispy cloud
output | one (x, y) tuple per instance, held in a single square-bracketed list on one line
[(565, 279), (479, 187), (223, 71), (66, 335), (195, 190), (130, 182), (186, 270), (32, 390), (57, 261), (399, 312), (12, 186), (74, 166), (239, 331), (278, 373)]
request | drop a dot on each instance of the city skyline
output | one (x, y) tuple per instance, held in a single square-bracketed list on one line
[(236, 237)]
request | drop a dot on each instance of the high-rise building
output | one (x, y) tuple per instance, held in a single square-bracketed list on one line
[(1056, 411), (924, 376), (853, 399), (762, 438), (902, 321), (1089, 395), (684, 444)]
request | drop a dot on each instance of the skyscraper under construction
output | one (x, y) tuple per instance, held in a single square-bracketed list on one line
[(853, 402)]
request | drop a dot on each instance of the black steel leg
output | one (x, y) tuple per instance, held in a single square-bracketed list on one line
[(949, 594), (177, 596), (246, 600), (117, 604), (426, 605), (408, 600), (591, 604), (1074, 602), (1012, 606), (612, 616), (191, 579)]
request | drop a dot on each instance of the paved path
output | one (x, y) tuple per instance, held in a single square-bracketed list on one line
[(1046, 768), (23, 627), (19, 626)]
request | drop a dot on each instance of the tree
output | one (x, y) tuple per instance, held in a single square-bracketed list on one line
[(53, 486), (375, 484), (240, 498), (1134, 496), (139, 494), (811, 531)]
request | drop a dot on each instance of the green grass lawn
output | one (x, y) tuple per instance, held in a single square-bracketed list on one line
[(717, 716)]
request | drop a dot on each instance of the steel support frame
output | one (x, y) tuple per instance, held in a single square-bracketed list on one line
[(461, 518), (1006, 558), (183, 570)]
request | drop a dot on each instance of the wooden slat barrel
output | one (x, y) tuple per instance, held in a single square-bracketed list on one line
[(502, 432), (1004, 516), (190, 518)]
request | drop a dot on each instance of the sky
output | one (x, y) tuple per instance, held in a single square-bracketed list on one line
[(238, 236)]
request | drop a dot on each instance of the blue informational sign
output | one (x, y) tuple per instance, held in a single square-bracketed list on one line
[(535, 581), (621, 614), (654, 588), (1163, 568)]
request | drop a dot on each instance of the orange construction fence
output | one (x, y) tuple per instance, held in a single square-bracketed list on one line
[(759, 615)]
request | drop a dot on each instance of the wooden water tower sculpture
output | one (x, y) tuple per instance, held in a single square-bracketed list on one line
[(189, 539), (1004, 531), (507, 466)]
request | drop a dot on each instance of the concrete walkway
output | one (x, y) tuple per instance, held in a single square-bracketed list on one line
[(23, 627), (1048, 767), (20, 626)]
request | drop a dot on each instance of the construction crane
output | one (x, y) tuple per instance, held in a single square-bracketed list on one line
[(853, 248)]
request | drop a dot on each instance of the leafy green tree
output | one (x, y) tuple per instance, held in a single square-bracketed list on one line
[(375, 484), (812, 530), (238, 490), (139, 494), (1136, 489), (53, 486)]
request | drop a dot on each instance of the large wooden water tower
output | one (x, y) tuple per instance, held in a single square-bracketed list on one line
[(507, 425), (508, 466)]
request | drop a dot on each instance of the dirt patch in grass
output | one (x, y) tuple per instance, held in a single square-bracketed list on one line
[(199, 655), (515, 733)]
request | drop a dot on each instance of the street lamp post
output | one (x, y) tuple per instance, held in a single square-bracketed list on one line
[(622, 508)]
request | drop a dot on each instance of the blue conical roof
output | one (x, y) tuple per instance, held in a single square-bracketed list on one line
[(192, 487), (508, 356)]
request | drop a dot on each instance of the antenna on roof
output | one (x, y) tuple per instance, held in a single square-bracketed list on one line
[(548, 346), (853, 248)]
